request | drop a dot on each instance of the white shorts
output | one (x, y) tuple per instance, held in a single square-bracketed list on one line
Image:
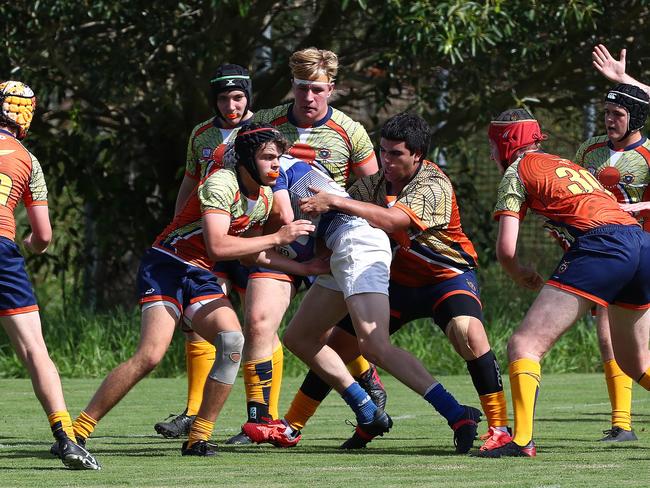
[(360, 261)]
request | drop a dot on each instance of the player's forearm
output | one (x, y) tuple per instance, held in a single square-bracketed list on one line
[(232, 247), (274, 260), (382, 218)]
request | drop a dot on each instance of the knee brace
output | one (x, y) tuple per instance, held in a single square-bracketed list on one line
[(458, 330), (226, 362)]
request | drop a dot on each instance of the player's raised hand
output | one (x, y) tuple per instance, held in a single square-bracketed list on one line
[(319, 203), (290, 232), (607, 65)]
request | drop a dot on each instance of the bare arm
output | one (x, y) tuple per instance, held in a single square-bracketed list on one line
[(41, 235), (221, 246), (281, 212), (506, 249), (388, 219), (187, 185), (368, 168), (614, 69)]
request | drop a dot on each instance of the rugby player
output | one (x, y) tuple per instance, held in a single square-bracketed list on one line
[(607, 264), (358, 284), (175, 279), (231, 90), (317, 133), (432, 272), (620, 160), (21, 178)]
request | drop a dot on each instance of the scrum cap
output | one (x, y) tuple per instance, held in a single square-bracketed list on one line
[(634, 100), (514, 129), (17, 106), (250, 139), (230, 77)]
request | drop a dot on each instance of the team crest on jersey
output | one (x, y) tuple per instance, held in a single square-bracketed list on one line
[(628, 178), (206, 152), (564, 265), (324, 153)]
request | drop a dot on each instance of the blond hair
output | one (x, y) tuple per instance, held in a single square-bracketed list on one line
[(311, 63)]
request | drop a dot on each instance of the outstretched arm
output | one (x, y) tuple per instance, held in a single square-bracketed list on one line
[(614, 69)]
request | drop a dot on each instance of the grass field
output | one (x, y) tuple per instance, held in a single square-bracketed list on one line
[(572, 411)]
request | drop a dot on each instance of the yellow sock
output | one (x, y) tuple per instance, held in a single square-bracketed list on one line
[(495, 408), (258, 375), (201, 431), (276, 382), (644, 381), (60, 422), (84, 425), (358, 366), (200, 358), (525, 375), (301, 410), (619, 388)]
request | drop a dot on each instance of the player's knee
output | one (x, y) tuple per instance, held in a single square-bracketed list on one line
[(468, 337), (374, 351), (259, 332), (229, 347)]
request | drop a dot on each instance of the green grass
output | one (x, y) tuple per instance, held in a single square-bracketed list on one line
[(572, 410)]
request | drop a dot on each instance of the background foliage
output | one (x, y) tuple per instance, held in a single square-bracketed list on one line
[(121, 84)]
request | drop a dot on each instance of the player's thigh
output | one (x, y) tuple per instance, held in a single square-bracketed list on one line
[(267, 300), (630, 332), (25, 333), (320, 308), (216, 316), (158, 322), (370, 313), (552, 313)]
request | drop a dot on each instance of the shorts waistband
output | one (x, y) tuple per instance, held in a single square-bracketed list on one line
[(606, 229)]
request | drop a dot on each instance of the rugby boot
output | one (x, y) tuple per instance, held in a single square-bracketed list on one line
[(365, 432), (54, 448), (240, 439), (466, 429), (178, 426), (618, 434), (199, 448), (275, 432), (75, 456), (509, 450), (373, 386), (495, 438)]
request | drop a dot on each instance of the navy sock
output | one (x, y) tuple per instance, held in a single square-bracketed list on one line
[(444, 403), (359, 401)]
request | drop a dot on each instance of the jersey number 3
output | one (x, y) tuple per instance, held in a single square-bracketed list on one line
[(582, 181)]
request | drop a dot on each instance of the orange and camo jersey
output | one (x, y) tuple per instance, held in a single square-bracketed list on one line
[(206, 148), (434, 248), (219, 192), (336, 142), (21, 178), (568, 196), (625, 172)]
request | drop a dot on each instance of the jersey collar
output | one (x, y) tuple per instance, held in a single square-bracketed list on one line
[(638, 143)]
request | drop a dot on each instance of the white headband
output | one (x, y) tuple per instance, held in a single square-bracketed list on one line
[(298, 81)]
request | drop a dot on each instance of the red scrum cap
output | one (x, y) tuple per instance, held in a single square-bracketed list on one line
[(512, 130)]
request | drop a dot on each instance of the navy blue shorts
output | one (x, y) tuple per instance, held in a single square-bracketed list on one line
[(233, 271), (162, 278), (441, 302), (16, 293), (608, 264), (296, 280)]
